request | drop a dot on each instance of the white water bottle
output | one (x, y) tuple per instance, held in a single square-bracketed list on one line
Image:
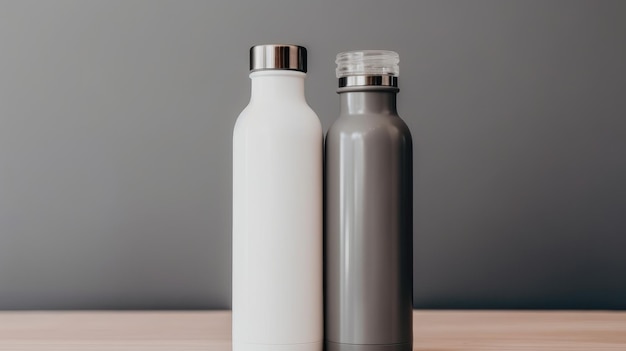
[(277, 209)]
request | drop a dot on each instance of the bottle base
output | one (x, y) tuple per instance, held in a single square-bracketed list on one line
[(335, 346), (311, 346)]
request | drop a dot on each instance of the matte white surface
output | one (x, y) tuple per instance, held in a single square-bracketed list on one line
[(277, 217)]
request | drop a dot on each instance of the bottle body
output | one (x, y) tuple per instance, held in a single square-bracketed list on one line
[(368, 237), (277, 218)]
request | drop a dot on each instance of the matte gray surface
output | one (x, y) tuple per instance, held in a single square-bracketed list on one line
[(115, 144), (368, 225)]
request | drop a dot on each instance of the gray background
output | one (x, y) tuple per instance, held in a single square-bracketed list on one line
[(115, 145)]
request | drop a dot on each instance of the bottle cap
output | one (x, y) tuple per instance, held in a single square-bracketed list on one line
[(278, 56), (368, 68)]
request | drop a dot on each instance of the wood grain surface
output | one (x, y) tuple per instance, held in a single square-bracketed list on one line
[(210, 330)]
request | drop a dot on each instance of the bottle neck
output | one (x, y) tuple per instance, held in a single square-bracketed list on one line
[(368, 102), (277, 84)]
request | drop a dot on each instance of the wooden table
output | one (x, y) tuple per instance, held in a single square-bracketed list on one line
[(204, 330)]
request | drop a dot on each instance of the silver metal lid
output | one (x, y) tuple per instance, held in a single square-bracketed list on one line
[(278, 56)]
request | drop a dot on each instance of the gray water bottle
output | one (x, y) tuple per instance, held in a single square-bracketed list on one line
[(369, 225)]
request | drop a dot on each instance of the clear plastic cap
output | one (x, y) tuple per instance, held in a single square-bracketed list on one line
[(367, 63)]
